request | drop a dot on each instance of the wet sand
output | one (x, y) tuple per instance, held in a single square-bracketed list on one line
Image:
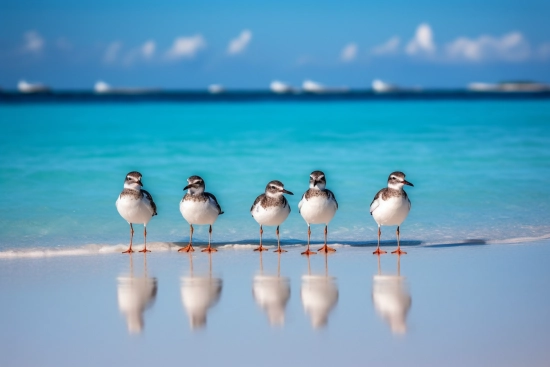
[(464, 304)]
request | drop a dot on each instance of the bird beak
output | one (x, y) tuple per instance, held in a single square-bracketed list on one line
[(407, 183), (286, 192), (139, 183), (314, 183), (186, 187)]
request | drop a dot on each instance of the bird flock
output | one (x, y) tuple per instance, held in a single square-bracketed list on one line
[(318, 205)]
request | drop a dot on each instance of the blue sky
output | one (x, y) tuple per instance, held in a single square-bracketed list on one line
[(247, 44)]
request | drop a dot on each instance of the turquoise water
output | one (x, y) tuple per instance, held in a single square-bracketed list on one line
[(480, 168)]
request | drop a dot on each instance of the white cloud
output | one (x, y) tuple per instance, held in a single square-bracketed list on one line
[(111, 52), (389, 47), (239, 44), (422, 42), (34, 43), (186, 47), (349, 53), (145, 51), (509, 47), (148, 49)]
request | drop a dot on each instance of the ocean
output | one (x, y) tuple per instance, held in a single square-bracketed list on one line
[(470, 291), (479, 168)]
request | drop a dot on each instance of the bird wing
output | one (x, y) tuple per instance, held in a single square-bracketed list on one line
[(258, 199), (376, 201), (332, 196), (213, 198), (285, 203), (150, 198)]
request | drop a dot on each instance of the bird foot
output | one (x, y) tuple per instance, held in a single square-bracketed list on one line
[(326, 249), (129, 251), (260, 248), (280, 250), (188, 248), (209, 250), (309, 252), (379, 252), (144, 250), (399, 252)]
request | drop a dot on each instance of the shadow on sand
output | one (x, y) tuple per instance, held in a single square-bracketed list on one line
[(387, 243)]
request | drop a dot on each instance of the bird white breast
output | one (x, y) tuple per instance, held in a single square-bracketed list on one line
[(317, 210), (134, 210), (391, 212), (272, 215), (199, 212)]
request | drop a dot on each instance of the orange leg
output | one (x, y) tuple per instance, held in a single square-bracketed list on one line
[(189, 247), (325, 248), (398, 251), (209, 249), (378, 251), (279, 249), (308, 252), (260, 248), (144, 240), (129, 251)]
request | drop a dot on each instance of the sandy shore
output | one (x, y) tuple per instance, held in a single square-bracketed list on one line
[(456, 304)]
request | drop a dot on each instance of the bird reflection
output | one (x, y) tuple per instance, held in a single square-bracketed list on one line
[(198, 294), (392, 299), (135, 295), (272, 294), (319, 295)]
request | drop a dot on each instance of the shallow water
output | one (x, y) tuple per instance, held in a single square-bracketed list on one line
[(479, 167), (475, 305)]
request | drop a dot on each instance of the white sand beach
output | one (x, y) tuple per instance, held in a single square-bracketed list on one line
[(452, 304)]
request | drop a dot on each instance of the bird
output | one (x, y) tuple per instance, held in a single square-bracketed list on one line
[(271, 209), (318, 205), (136, 205), (199, 207), (391, 206)]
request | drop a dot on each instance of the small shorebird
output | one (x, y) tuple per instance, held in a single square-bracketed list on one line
[(199, 207), (318, 205), (271, 209), (391, 206), (136, 205)]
